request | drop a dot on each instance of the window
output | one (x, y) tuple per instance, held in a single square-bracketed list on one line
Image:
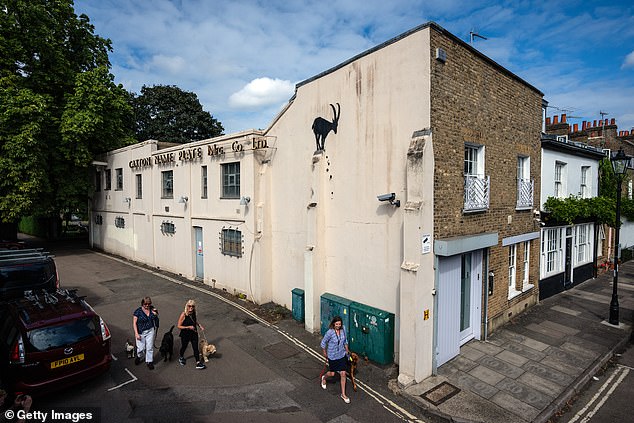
[(108, 179), (527, 258), (583, 243), (600, 238), (139, 185), (203, 182), (231, 180), (168, 228), (119, 222), (512, 269), (584, 190), (231, 242), (559, 177), (98, 181), (476, 185), (167, 178), (551, 251), (524, 183), (119, 176), (629, 189)]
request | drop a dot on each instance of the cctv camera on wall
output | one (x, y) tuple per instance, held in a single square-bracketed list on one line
[(386, 197)]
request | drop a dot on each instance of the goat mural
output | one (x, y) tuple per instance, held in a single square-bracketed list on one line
[(321, 127)]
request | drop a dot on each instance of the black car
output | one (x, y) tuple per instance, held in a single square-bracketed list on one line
[(26, 270), (51, 340)]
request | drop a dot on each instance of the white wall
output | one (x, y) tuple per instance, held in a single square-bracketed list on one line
[(572, 177)]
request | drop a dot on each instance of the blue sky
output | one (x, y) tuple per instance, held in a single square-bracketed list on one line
[(243, 57)]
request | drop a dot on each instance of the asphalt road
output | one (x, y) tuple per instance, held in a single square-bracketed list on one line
[(259, 374)]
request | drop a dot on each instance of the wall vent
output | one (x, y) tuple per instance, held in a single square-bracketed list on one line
[(441, 55)]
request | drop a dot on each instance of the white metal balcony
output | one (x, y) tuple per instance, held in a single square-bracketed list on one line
[(476, 193), (525, 193)]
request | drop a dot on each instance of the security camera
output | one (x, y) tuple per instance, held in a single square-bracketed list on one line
[(386, 197)]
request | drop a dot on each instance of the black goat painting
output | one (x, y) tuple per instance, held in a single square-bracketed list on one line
[(321, 127)]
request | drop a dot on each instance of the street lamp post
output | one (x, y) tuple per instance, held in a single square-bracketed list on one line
[(619, 164)]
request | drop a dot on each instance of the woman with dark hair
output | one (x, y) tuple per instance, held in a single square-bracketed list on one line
[(335, 349), (145, 321)]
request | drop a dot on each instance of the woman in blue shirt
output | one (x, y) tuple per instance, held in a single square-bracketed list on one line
[(335, 349)]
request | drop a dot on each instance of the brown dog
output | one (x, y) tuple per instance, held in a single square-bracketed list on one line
[(206, 349), (354, 360)]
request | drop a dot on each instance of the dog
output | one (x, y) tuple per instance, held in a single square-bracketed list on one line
[(130, 350), (167, 345), (206, 349), (352, 366)]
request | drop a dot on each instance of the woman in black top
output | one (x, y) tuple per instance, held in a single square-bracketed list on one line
[(188, 325)]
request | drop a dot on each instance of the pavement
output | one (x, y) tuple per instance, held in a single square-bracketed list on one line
[(530, 368)]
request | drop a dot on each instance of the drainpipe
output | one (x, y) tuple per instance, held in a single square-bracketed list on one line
[(485, 277), (434, 355)]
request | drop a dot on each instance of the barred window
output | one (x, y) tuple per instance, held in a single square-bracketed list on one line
[(231, 242)]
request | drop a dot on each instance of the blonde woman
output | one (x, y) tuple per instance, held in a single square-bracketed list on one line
[(188, 325)]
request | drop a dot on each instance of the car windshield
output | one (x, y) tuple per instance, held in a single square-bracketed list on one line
[(17, 276), (66, 334)]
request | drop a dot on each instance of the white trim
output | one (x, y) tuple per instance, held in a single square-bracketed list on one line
[(519, 238)]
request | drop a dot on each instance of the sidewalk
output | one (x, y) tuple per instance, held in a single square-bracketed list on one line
[(528, 369)]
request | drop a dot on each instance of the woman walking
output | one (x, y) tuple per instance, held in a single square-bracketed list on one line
[(335, 349), (145, 321), (188, 325)]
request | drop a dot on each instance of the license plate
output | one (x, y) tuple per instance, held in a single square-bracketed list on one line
[(66, 361)]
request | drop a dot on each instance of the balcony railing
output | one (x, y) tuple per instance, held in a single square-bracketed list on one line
[(525, 193), (476, 193)]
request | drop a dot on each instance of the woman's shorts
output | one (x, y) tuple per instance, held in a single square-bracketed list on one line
[(339, 365)]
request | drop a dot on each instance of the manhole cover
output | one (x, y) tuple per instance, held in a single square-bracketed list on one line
[(440, 393)]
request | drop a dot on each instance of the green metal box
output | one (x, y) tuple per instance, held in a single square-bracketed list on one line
[(298, 304), (372, 333), (331, 306)]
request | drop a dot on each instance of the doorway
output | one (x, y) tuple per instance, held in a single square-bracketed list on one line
[(198, 253)]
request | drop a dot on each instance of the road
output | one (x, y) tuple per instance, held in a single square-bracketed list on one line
[(261, 373), (608, 398)]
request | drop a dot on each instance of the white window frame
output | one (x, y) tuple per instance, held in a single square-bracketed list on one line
[(583, 244), (551, 251), (512, 275), (584, 190), (474, 160), (560, 177), (600, 238), (526, 285), (524, 183)]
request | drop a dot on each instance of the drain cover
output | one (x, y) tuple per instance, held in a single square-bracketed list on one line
[(440, 393)]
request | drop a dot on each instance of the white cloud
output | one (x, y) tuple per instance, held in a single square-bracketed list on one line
[(629, 61), (262, 92), (173, 65)]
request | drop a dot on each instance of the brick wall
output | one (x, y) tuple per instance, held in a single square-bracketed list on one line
[(474, 101)]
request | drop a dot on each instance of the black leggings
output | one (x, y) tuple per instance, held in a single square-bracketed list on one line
[(193, 338)]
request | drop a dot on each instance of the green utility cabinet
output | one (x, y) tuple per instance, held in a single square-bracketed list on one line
[(372, 333), (331, 306), (298, 304)]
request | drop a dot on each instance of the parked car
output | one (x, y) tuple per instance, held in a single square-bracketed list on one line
[(26, 270), (50, 341), (7, 244)]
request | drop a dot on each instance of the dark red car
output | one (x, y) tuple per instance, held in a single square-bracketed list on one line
[(49, 341)]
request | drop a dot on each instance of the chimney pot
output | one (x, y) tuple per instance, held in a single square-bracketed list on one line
[(575, 127), (547, 121), (613, 121), (594, 124), (555, 119), (583, 125), (563, 118)]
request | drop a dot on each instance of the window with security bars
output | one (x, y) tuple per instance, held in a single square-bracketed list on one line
[(476, 185), (231, 180), (524, 183), (231, 242)]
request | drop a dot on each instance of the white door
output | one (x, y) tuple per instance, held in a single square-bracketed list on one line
[(459, 303), (448, 293)]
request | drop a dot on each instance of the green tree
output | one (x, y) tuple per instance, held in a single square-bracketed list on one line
[(59, 107), (167, 113)]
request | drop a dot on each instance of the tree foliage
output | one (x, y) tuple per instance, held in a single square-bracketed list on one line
[(59, 107), (601, 209), (167, 113)]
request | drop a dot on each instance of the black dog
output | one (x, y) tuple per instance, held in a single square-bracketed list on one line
[(167, 345)]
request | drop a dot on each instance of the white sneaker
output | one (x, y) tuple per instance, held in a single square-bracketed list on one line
[(323, 382)]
